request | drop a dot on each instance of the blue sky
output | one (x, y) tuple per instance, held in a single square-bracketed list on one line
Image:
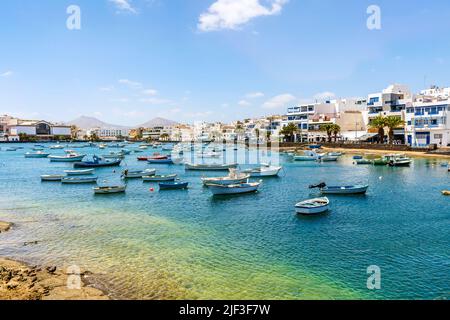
[(214, 60)]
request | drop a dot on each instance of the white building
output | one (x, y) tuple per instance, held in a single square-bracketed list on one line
[(109, 133), (428, 119), (11, 128)]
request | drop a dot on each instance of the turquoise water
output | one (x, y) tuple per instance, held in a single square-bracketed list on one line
[(189, 245)]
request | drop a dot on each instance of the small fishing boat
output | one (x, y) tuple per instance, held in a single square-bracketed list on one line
[(233, 177), (357, 157), (35, 155), (38, 149), (209, 155), (210, 167), (312, 206), (138, 151), (138, 174), (306, 156), (11, 149), (218, 189), (363, 161), (98, 163), (79, 172), (173, 185), (110, 189), (396, 160), (159, 178), (356, 189), (57, 146), (126, 151), (335, 154), (162, 160), (265, 170), (327, 158), (315, 146), (113, 156), (71, 157), (52, 177), (78, 180)]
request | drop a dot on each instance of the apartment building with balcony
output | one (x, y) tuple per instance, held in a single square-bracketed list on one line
[(428, 119), (392, 101)]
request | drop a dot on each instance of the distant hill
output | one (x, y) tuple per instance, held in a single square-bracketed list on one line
[(84, 122), (158, 122)]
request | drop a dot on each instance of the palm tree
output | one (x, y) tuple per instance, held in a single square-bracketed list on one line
[(379, 123), (268, 135), (289, 131), (336, 131), (74, 131), (328, 128), (393, 122)]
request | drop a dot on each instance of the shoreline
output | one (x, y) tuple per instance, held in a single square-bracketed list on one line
[(375, 152), (22, 281)]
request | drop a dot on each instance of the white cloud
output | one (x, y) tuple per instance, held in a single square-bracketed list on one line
[(132, 84), (150, 92), (324, 96), (244, 103), (124, 6), (6, 74), (279, 101), (230, 14), (107, 89), (254, 95)]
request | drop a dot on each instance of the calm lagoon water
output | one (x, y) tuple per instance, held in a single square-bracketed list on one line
[(189, 245)]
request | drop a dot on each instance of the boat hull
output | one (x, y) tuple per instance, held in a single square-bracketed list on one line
[(345, 190), (52, 178), (78, 180), (225, 167), (173, 186), (230, 190), (109, 190), (97, 165), (66, 159), (159, 178), (79, 172), (311, 211)]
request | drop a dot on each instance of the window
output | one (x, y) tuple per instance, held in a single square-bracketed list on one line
[(438, 136)]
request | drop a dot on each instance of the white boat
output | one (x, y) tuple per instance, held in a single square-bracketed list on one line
[(210, 167), (312, 206), (52, 177), (102, 146), (161, 178), (11, 149), (335, 154), (71, 157), (209, 155), (139, 174), (233, 177), (398, 160), (38, 154), (79, 180), (327, 158), (264, 171), (218, 189), (307, 156), (109, 189), (57, 146), (356, 189), (113, 155), (79, 172)]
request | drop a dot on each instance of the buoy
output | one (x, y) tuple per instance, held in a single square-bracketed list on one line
[(381, 178), (152, 189)]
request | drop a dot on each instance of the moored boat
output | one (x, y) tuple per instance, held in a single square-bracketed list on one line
[(397, 160), (79, 172), (159, 178), (78, 180), (57, 146), (98, 163), (355, 189), (38, 154), (264, 170), (210, 167), (363, 161), (218, 189), (233, 177), (110, 189), (173, 185), (138, 173), (52, 177), (71, 157), (160, 160), (312, 206)]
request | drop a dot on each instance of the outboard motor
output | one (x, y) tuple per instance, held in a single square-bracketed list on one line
[(320, 185)]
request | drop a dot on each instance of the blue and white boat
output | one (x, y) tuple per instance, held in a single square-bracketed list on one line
[(307, 156), (355, 189), (313, 206), (218, 189), (159, 178), (173, 185), (79, 172), (98, 163), (35, 155), (52, 177), (138, 173), (167, 160)]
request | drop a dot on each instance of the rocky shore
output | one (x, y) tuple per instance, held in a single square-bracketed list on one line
[(19, 281)]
